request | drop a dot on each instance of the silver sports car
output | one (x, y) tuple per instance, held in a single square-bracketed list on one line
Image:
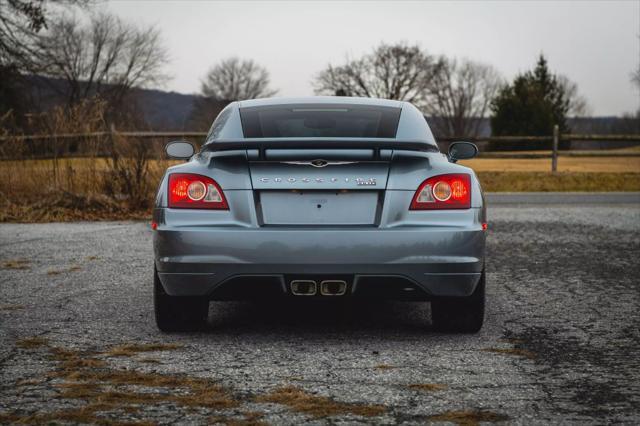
[(319, 197)]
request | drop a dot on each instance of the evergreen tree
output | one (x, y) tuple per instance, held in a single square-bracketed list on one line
[(531, 105)]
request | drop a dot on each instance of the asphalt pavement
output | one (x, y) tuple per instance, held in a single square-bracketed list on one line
[(561, 343)]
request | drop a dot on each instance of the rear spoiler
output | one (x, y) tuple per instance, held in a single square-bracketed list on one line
[(263, 144)]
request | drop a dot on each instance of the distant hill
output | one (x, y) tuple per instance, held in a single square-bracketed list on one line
[(172, 111), (161, 110), (166, 110)]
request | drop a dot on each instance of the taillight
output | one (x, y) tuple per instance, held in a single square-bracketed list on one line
[(451, 191), (190, 191)]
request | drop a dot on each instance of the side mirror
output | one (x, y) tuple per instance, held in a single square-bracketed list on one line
[(179, 149), (462, 151)]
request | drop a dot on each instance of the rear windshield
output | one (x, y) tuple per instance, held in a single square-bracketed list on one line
[(319, 121)]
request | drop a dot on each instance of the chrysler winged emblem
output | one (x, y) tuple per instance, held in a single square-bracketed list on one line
[(318, 163)]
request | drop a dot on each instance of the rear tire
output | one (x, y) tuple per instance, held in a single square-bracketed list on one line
[(178, 313), (460, 314)]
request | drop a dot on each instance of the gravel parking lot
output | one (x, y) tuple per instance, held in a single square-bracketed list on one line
[(561, 343)]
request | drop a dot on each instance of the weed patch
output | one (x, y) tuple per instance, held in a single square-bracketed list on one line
[(11, 307), (384, 367), (317, 406), (31, 342), (62, 206), (73, 268), (18, 264), (81, 376), (85, 377), (87, 414), (108, 392), (521, 181), (133, 349)]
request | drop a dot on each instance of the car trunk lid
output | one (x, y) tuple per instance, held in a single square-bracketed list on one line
[(309, 187)]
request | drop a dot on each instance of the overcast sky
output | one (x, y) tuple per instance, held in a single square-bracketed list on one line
[(594, 43)]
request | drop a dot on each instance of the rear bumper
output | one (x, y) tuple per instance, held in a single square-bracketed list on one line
[(439, 260)]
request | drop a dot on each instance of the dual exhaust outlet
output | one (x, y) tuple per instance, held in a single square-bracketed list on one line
[(311, 288)]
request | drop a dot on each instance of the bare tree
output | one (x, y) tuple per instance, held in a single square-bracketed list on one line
[(459, 96), (456, 94), (577, 104), (392, 71), (234, 79), (107, 56), (20, 22)]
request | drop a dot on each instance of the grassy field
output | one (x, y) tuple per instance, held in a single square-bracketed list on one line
[(81, 188), (493, 181), (565, 164)]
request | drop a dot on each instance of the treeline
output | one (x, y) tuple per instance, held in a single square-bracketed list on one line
[(83, 55)]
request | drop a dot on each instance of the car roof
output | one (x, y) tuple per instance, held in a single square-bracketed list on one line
[(412, 125), (346, 100)]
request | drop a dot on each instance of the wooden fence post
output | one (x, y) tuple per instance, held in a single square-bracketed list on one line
[(112, 140), (554, 153)]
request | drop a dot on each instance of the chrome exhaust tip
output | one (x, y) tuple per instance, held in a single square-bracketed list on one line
[(333, 288), (303, 288)]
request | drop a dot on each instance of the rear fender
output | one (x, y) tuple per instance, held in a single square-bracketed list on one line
[(229, 169)]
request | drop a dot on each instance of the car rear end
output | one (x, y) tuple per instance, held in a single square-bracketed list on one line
[(324, 215)]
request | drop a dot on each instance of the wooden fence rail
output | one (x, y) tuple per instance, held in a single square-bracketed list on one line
[(153, 135), (555, 140)]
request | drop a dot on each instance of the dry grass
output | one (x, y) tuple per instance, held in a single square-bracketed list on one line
[(469, 418), (31, 342), (512, 351), (88, 384), (70, 360), (73, 268), (89, 187), (80, 177), (384, 367), (317, 406), (563, 182), (61, 206), (19, 264), (107, 391), (429, 387), (565, 164), (11, 307), (87, 414), (133, 349)]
